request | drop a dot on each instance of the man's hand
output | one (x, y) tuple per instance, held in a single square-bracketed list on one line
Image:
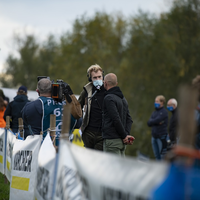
[(128, 140)]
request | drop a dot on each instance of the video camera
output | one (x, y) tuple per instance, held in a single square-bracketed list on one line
[(59, 90)]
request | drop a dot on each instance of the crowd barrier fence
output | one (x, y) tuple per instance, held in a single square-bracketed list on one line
[(37, 172)]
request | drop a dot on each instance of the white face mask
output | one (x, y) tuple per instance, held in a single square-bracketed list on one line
[(98, 83)]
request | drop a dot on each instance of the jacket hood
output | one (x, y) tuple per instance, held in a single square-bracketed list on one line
[(115, 90), (20, 98)]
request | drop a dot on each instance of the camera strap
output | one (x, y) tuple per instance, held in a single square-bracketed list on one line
[(93, 94)]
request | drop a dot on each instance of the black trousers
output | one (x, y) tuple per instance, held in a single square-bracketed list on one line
[(92, 140)]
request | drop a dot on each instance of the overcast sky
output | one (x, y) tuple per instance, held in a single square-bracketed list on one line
[(42, 17)]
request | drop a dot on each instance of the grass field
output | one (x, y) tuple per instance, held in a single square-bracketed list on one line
[(4, 188)]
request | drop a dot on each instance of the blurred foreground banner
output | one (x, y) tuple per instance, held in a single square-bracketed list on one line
[(46, 169), (67, 184), (37, 172), (2, 149), (11, 140), (24, 168), (105, 176)]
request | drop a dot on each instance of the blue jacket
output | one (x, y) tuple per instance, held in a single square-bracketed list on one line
[(37, 115), (159, 122), (184, 179), (32, 115)]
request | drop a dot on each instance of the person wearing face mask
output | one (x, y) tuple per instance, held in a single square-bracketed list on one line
[(172, 107), (159, 122), (91, 100)]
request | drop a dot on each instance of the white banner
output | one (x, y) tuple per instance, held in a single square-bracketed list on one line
[(108, 176), (11, 140), (68, 184), (2, 149), (24, 168), (81, 173), (46, 167)]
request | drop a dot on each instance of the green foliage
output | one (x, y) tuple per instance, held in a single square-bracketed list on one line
[(4, 188), (150, 56), (93, 40), (34, 61)]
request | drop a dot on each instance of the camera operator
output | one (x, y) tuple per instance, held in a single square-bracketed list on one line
[(91, 98), (37, 113)]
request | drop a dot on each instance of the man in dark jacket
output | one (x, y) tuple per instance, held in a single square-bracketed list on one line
[(91, 100), (15, 107), (116, 120), (173, 123), (37, 113), (159, 122)]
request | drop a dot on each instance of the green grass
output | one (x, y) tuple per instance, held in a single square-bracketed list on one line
[(4, 188)]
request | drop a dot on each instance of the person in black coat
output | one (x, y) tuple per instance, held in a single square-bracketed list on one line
[(172, 107), (159, 122), (116, 119), (15, 107)]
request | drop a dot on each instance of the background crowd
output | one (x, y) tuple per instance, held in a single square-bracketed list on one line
[(150, 55)]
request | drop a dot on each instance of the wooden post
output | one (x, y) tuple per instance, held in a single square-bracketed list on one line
[(66, 122), (53, 128), (21, 127), (186, 117), (7, 122)]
